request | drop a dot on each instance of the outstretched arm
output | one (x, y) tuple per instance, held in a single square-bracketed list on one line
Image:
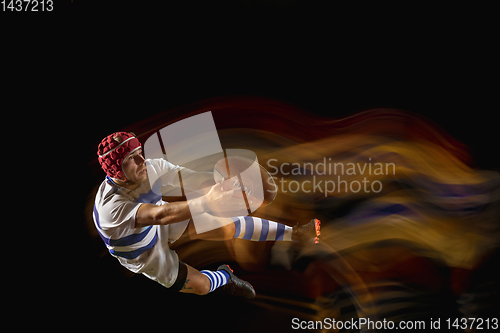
[(173, 212), (216, 202)]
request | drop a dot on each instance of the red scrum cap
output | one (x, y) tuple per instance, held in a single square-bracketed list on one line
[(113, 150)]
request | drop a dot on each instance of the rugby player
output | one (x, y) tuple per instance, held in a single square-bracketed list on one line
[(138, 226)]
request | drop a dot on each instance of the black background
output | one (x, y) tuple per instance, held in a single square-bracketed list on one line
[(101, 67), (128, 63)]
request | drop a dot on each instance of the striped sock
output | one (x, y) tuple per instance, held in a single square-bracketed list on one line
[(257, 229), (217, 278)]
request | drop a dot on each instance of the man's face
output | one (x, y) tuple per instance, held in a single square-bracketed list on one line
[(135, 167)]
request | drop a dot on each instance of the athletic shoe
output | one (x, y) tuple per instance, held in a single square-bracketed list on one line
[(235, 285), (307, 233)]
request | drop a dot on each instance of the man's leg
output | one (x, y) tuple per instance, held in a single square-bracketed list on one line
[(257, 229), (204, 282), (225, 232), (245, 227), (195, 282)]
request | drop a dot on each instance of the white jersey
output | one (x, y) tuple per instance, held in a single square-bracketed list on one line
[(141, 250)]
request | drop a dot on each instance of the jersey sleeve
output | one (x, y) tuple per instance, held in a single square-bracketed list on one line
[(119, 212)]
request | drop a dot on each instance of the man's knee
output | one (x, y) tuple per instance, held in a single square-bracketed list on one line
[(202, 287), (196, 282)]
